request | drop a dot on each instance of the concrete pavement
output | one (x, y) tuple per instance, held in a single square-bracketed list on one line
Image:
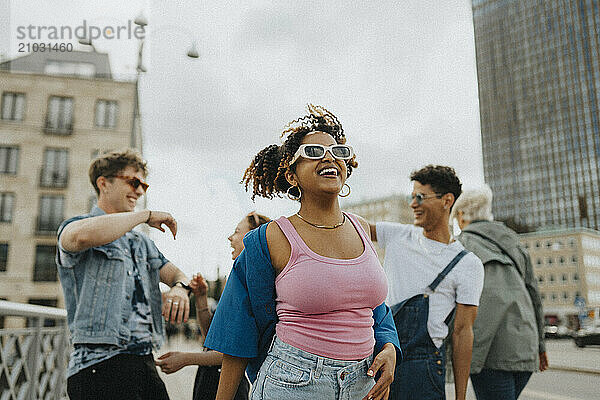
[(564, 356)]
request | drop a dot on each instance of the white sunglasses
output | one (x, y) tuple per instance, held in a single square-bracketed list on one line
[(317, 151)]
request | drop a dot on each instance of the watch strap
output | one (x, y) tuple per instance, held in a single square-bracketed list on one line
[(181, 284)]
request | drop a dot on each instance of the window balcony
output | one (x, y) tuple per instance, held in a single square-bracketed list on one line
[(47, 226), (62, 129), (53, 179)]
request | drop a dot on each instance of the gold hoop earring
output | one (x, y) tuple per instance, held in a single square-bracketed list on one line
[(346, 194), (291, 196)]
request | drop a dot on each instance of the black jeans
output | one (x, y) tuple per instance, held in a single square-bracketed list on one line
[(123, 377)]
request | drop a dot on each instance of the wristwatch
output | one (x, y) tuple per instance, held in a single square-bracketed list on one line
[(184, 286)]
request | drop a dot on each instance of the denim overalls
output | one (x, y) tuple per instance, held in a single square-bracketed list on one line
[(421, 373)]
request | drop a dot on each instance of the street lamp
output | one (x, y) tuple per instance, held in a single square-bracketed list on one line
[(142, 22)]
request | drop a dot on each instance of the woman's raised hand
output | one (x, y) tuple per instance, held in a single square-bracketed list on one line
[(199, 285)]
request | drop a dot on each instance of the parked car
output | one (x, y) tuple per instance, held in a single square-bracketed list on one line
[(558, 332), (587, 336)]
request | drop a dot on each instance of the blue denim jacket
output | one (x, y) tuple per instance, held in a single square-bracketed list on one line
[(98, 284), (245, 319)]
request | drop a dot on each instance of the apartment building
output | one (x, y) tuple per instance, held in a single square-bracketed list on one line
[(58, 111), (567, 265)]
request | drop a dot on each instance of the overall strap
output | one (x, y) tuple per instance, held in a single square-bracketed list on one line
[(433, 285)]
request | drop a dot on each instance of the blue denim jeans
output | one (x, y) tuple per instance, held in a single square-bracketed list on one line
[(494, 384), (289, 373)]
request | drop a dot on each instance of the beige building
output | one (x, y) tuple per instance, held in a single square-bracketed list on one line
[(567, 264), (392, 209), (58, 111)]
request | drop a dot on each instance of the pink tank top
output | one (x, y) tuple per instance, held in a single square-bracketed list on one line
[(325, 305)]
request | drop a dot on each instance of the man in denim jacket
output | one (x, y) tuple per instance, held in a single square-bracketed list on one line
[(110, 276)]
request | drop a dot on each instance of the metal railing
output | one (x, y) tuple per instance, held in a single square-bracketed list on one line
[(59, 128), (47, 226), (53, 179), (33, 361)]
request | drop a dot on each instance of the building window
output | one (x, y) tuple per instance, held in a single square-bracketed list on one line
[(548, 244), (83, 69), (526, 245), (538, 261), (106, 113), (55, 172), (565, 277), (561, 260), (60, 115), (9, 157), (51, 213), (549, 261), (6, 206), (3, 257), (554, 296), (537, 245), (575, 277), (574, 259), (13, 106), (45, 267), (572, 242), (551, 278), (565, 295), (540, 279), (543, 296)]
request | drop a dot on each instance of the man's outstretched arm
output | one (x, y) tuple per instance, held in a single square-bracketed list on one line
[(96, 231)]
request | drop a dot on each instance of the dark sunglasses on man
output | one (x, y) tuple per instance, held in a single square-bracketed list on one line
[(133, 181), (420, 197)]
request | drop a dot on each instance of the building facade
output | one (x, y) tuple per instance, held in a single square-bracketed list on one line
[(566, 265), (56, 114), (538, 66)]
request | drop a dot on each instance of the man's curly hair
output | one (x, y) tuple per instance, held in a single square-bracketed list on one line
[(442, 179), (267, 170)]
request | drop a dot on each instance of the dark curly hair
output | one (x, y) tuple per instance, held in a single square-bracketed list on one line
[(255, 219), (267, 170), (442, 179)]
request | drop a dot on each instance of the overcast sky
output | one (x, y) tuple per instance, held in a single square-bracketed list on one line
[(400, 76)]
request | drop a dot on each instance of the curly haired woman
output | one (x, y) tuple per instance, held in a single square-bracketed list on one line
[(303, 307)]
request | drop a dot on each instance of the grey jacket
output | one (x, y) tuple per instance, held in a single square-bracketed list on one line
[(508, 331)]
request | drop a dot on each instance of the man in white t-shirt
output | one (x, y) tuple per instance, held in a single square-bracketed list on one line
[(430, 275)]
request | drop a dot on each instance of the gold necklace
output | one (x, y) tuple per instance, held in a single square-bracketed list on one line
[(324, 226)]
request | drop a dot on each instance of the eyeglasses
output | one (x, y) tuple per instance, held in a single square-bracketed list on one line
[(420, 198), (133, 181), (317, 151)]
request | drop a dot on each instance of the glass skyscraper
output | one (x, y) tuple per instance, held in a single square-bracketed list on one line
[(538, 66)]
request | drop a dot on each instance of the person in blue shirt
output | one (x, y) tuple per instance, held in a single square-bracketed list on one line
[(173, 361), (303, 306), (110, 277)]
